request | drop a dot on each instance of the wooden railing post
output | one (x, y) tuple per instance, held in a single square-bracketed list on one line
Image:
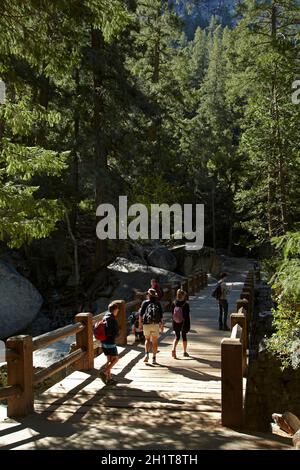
[(232, 382), (257, 275), (20, 372), (243, 303), (245, 294), (85, 340), (121, 318), (240, 319)]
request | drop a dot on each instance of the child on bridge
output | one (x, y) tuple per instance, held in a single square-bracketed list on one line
[(108, 345)]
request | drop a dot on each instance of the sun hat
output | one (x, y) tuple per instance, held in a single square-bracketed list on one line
[(152, 292)]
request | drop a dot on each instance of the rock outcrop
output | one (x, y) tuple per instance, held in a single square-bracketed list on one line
[(190, 261), (20, 301), (162, 258)]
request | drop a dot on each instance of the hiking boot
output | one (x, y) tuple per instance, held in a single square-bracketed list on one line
[(154, 360), (185, 354), (146, 358)]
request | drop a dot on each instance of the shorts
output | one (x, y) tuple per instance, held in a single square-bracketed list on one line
[(151, 330), (110, 350)]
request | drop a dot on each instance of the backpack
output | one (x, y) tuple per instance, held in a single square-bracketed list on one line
[(217, 292), (152, 314), (134, 319), (99, 331), (178, 314)]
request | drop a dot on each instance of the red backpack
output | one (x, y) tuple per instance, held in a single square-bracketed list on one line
[(99, 331)]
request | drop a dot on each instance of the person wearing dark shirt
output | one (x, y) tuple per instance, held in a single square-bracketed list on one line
[(109, 344), (151, 317), (155, 286), (223, 303), (181, 321)]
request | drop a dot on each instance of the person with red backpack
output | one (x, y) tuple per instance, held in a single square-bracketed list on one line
[(181, 321), (107, 330)]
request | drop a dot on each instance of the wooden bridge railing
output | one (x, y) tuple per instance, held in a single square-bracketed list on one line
[(234, 357), (21, 377)]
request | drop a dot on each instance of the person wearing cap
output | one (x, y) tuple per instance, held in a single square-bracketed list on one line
[(151, 319), (108, 345)]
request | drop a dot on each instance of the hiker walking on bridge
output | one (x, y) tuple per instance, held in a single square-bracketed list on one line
[(155, 286), (151, 317), (223, 302), (109, 347), (181, 321)]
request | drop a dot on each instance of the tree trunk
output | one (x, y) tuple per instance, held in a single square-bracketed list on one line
[(230, 232), (213, 214), (76, 262), (156, 60), (281, 167), (270, 205), (43, 100), (100, 152), (278, 150), (271, 185), (75, 159)]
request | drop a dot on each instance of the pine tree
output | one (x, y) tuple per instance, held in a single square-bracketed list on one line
[(25, 213), (268, 55), (155, 68), (213, 135)]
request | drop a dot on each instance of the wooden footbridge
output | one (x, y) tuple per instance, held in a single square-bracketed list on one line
[(193, 402)]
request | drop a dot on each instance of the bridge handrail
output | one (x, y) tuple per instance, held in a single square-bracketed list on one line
[(44, 340), (234, 357), (10, 391), (58, 365), (19, 349)]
